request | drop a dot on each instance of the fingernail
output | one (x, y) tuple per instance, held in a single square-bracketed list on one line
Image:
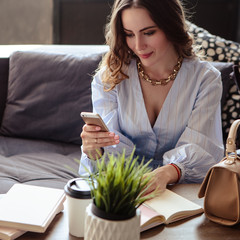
[(111, 134), (98, 128)]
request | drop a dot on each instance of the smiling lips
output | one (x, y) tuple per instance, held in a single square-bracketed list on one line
[(144, 56)]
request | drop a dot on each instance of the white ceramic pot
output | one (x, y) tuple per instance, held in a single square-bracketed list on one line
[(96, 228)]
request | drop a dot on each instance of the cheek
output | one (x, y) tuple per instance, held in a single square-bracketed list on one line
[(161, 41), (159, 44)]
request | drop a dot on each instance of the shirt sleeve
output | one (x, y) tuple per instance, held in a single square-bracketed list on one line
[(200, 145), (106, 105)]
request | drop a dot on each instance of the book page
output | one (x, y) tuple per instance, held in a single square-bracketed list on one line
[(173, 206), (30, 208), (149, 218)]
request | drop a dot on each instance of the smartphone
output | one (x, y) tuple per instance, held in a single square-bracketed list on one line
[(94, 119)]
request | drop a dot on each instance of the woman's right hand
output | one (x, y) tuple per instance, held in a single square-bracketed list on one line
[(93, 140)]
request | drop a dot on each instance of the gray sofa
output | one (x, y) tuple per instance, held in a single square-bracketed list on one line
[(42, 91)]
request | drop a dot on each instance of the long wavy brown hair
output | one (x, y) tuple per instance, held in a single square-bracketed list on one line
[(168, 15)]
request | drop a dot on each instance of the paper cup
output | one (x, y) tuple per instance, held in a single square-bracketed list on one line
[(78, 198)]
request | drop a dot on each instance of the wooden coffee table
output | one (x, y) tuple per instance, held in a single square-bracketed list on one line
[(198, 227)]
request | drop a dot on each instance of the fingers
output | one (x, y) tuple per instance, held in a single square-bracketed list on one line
[(157, 181), (109, 139), (91, 128), (92, 142), (100, 141), (154, 186), (93, 138)]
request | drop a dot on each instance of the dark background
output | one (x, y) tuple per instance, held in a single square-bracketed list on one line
[(219, 17), (83, 21)]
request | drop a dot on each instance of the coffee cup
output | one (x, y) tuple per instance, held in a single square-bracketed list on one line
[(78, 194)]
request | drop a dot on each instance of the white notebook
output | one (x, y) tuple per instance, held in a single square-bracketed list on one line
[(29, 208), (10, 233)]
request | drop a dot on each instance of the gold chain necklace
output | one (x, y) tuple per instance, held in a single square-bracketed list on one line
[(163, 82)]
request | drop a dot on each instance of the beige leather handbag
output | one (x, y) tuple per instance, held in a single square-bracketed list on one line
[(221, 186)]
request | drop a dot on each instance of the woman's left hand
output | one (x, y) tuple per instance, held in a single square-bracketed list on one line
[(160, 177)]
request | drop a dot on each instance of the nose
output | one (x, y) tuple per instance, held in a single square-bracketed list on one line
[(140, 44)]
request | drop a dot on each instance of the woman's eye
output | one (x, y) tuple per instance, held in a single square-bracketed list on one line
[(149, 33), (128, 34)]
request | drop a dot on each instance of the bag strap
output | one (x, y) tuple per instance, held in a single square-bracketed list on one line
[(230, 144)]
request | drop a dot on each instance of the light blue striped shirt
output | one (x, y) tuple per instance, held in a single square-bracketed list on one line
[(187, 131)]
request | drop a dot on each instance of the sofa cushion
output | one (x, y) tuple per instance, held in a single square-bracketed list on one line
[(46, 93), (226, 70), (218, 49), (214, 47), (37, 162)]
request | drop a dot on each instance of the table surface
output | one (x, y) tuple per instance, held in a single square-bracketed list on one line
[(197, 227)]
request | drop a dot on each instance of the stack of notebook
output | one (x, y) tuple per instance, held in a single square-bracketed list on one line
[(28, 208)]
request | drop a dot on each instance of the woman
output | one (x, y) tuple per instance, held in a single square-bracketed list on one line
[(153, 92)]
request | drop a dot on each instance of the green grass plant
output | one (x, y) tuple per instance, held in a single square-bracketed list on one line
[(119, 185)]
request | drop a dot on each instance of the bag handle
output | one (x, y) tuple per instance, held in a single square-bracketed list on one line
[(230, 144)]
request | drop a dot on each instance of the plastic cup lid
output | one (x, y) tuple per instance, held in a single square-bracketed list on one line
[(78, 188)]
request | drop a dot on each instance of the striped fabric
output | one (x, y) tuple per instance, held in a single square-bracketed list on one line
[(187, 131)]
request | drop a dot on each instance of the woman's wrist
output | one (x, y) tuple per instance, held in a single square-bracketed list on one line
[(169, 173), (178, 170), (96, 154)]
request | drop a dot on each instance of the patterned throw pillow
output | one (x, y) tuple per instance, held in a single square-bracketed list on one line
[(214, 47), (219, 49), (231, 110)]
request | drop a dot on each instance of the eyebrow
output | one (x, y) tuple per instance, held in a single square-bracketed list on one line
[(144, 29)]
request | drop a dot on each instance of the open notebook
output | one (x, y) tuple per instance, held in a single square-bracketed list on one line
[(168, 207)]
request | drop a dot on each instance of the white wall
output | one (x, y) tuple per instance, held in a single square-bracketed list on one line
[(26, 21)]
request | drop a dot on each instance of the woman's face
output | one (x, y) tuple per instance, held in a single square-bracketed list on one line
[(144, 37)]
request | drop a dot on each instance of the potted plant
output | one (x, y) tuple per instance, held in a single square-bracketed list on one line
[(118, 190)]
